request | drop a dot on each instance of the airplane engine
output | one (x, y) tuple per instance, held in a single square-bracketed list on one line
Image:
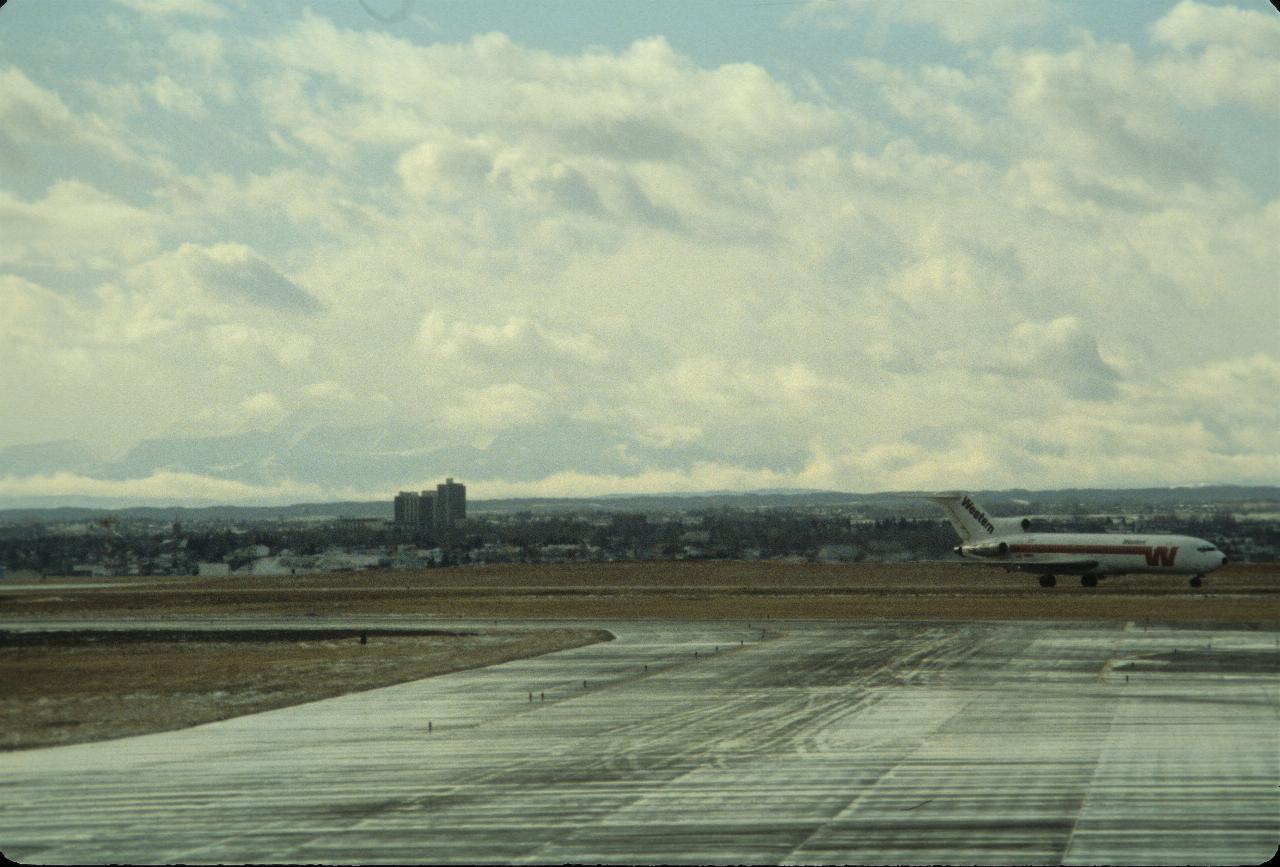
[(987, 549)]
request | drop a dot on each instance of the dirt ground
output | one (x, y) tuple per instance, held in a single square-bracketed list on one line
[(63, 693), (59, 692), (697, 590)]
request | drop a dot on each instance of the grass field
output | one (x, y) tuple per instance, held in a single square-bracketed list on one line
[(674, 590)]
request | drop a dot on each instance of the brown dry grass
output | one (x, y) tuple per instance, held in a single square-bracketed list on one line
[(68, 694), (681, 590)]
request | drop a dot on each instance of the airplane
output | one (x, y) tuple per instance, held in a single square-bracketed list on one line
[(1011, 544)]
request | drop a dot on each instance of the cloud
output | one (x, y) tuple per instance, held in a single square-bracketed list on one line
[(33, 117), (221, 274), (175, 97), (647, 103), (75, 225), (1095, 106), (629, 267), (159, 488), (30, 112), (238, 344), (1111, 114), (1233, 400), (707, 476), (1191, 23), (287, 198), (496, 407), (1061, 352), (197, 58), (933, 97), (264, 409), (329, 390), (516, 343), (1238, 60), (709, 385), (34, 315), (448, 169)]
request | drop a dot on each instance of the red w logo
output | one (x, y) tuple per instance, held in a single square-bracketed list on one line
[(1161, 556)]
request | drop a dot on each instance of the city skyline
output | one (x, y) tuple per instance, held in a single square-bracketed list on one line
[(441, 509), (320, 252)]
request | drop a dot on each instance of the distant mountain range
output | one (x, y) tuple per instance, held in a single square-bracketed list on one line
[(382, 457), (1015, 501)]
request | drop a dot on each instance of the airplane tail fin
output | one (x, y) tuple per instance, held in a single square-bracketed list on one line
[(969, 519)]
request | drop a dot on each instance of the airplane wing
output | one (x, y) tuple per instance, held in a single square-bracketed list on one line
[(1040, 567), (1051, 567)]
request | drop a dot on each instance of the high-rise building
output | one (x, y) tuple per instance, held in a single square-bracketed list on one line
[(441, 509), (450, 504), (407, 509), (426, 509)]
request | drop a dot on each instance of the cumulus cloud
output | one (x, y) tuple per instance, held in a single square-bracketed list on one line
[(1094, 106), (545, 112), (518, 342), (197, 58), (221, 274), (629, 269), (702, 476), (75, 224), (32, 117), (160, 488), (1191, 23), (448, 168), (1061, 352), (1223, 55), (263, 409), (30, 112), (329, 390), (243, 345), (495, 407), (34, 315)]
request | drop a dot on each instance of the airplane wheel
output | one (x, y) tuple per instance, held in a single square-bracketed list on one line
[(1089, 580), (1047, 580), (1195, 582)]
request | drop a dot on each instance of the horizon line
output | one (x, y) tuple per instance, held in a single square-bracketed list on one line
[(142, 503)]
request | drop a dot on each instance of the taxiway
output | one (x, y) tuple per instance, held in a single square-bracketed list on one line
[(800, 742)]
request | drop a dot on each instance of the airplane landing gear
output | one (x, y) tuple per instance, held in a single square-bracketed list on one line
[(1089, 580), (1047, 580), (1195, 582)]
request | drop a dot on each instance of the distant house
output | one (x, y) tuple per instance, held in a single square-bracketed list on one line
[(278, 565), (838, 552)]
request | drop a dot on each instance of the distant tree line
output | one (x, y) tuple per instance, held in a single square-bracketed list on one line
[(725, 533)]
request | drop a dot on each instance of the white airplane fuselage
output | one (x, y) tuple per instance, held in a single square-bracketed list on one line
[(1113, 553)]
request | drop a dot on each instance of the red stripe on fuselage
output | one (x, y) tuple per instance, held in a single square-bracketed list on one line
[(1080, 549), (1161, 555)]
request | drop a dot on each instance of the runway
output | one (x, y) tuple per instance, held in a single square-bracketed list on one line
[(805, 742)]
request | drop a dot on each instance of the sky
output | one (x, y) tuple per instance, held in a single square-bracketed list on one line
[(286, 252)]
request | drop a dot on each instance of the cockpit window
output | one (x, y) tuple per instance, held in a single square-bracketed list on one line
[(1205, 548)]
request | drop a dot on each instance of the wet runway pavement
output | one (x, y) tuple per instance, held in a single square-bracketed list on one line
[(817, 742)]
